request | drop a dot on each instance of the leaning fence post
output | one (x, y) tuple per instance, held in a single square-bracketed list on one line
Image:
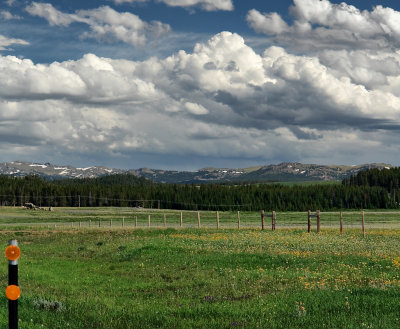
[(198, 219), (363, 224), (12, 291), (309, 222), (262, 219)]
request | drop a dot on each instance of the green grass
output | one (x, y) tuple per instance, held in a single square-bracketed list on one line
[(308, 183), (11, 216), (206, 279)]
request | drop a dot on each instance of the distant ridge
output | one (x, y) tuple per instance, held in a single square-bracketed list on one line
[(283, 172)]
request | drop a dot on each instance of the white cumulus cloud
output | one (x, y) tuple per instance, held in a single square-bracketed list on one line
[(270, 23), (321, 24), (51, 14), (104, 23), (221, 100)]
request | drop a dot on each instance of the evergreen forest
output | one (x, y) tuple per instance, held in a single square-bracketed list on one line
[(370, 189)]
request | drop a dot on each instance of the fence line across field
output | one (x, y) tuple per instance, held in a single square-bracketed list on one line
[(309, 221), (43, 201)]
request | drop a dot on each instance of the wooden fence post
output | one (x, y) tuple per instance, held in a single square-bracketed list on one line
[(341, 223), (99, 223), (165, 220), (217, 220), (181, 220), (318, 221), (135, 221), (198, 219), (110, 222), (238, 217), (149, 222), (309, 222), (273, 220), (363, 224), (262, 219), (123, 221)]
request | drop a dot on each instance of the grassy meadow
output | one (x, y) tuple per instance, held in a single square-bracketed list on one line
[(139, 217), (122, 277)]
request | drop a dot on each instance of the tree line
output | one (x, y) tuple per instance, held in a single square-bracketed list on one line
[(371, 189)]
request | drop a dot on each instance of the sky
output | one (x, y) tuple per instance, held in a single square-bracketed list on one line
[(188, 84)]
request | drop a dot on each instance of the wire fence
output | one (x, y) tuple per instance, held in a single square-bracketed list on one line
[(140, 218), (43, 201)]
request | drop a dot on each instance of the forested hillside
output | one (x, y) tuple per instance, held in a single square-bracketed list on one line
[(387, 178), (128, 190)]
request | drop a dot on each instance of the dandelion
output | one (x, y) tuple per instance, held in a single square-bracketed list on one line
[(396, 262), (300, 309)]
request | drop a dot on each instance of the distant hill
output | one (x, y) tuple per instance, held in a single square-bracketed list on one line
[(284, 172)]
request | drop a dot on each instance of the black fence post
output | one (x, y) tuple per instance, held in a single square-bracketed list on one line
[(12, 291)]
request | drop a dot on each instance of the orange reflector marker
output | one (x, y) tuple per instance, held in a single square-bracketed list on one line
[(13, 292), (13, 252)]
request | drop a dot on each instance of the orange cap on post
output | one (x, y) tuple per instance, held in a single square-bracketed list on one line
[(13, 252), (13, 292)]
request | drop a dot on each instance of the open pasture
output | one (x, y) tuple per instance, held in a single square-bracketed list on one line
[(117, 277), (139, 217)]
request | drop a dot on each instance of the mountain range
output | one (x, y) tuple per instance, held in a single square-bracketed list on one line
[(283, 172)]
